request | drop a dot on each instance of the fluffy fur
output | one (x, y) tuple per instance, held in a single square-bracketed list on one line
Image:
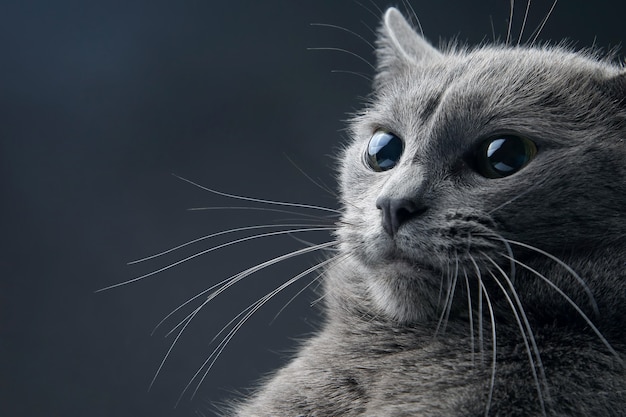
[(504, 296)]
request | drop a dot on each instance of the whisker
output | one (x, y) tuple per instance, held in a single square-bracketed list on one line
[(345, 30), (358, 74), (232, 280), (308, 222), (448, 301), (506, 203), (373, 3), (258, 200), (214, 248), (223, 286), (583, 284), (212, 235), (316, 279), (440, 291), (369, 28), (321, 297), (494, 345), (493, 29), (575, 306), (319, 184), (508, 32), (344, 51), (527, 332), (186, 321), (454, 282), (253, 308), (537, 31), (409, 7), (317, 266), (264, 209), (521, 32), (471, 317), (377, 16), (480, 311), (303, 241)]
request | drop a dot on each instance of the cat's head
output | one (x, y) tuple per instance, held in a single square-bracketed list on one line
[(462, 150)]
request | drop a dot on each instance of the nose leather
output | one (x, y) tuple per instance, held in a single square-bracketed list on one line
[(396, 212)]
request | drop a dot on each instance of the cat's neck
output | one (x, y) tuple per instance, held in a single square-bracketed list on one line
[(589, 286)]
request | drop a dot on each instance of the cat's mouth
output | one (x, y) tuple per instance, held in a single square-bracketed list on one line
[(440, 251), (395, 255)]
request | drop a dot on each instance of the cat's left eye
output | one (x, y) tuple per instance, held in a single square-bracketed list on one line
[(383, 151), (504, 155)]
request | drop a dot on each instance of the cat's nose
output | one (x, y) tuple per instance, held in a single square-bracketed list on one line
[(396, 212)]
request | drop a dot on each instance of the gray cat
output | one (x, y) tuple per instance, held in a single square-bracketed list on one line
[(481, 244)]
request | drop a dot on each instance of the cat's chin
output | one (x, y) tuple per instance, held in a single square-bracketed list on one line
[(401, 287)]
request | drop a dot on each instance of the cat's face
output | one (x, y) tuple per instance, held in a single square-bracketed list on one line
[(459, 149)]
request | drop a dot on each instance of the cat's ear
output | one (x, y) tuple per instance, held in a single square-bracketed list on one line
[(399, 45)]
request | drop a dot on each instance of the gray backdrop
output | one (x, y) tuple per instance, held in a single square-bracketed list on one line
[(100, 102)]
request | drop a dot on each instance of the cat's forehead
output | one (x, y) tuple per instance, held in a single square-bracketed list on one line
[(493, 72), (487, 88)]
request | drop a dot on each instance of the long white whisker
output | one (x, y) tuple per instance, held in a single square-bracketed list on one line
[(344, 51), (264, 209), (253, 308), (480, 311), (583, 284), (508, 32), (234, 242), (439, 296), (527, 332), (471, 315), (358, 74), (258, 200), (408, 5), (212, 235), (373, 3), (320, 184), (494, 345), (575, 306), (506, 203), (521, 32), (316, 279), (186, 322), (377, 16), (449, 296), (454, 282), (307, 243), (232, 280), (537, 31), (493, 29), (227, 325), (345, 30)]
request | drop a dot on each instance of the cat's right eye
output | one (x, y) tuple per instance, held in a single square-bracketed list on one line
[(383, 151)]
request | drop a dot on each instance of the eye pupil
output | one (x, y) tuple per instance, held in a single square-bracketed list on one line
[(384, 151), (504, 156)]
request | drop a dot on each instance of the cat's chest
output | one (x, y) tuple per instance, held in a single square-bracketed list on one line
[(375, 377), (369, 376)]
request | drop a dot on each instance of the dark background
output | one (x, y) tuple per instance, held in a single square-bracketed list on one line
[(100, 102)]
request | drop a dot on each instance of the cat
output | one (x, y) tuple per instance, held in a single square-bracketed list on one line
[(481, 245)]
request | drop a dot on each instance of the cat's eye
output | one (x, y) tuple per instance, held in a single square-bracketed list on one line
[(504, 155), (383, 151)]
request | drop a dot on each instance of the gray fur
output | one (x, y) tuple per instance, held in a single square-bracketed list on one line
[(396, 339)]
